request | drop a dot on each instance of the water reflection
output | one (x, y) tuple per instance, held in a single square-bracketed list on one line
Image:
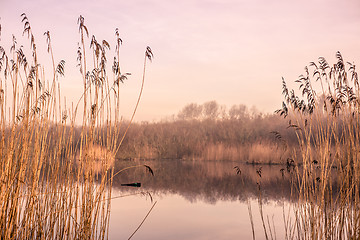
[(208, 181), (176, 218), (198, 200), (208, 199)]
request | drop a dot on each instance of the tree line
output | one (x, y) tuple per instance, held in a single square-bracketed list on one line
[(210, 131)]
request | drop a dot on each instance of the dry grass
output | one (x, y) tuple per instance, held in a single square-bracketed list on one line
[(326, 119), (100, 157), (255, 153), (55, 182), (248, 139)]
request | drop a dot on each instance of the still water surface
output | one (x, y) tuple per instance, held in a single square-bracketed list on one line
[(199, 200)]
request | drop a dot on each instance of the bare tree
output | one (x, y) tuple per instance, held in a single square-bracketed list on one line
[(239, 112), (211, 110), (191, 111)]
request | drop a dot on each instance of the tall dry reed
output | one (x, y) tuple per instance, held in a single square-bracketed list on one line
[(326, 118), (53, 182)]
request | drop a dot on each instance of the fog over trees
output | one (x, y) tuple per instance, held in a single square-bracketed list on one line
[(212, 110), (213, 132)]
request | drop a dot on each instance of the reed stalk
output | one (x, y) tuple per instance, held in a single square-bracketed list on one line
[(325, 116), (56, 180)]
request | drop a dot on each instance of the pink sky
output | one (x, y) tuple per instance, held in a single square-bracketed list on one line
[(234, 52)]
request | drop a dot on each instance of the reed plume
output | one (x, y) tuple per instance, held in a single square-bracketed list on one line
[(56, 180), (325, 116)]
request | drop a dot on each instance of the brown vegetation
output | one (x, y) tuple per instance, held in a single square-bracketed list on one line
[(325, 117), (53, 183), (236, 134)]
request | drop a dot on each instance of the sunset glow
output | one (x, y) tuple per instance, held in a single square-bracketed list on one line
[(234, 52)]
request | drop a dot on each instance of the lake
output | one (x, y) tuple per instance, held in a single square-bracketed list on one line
[(200, 200)]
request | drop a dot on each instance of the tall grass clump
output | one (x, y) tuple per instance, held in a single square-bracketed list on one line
[(55, 181), (325, 115)]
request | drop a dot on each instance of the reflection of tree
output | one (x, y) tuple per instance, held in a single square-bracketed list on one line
[(208, 181)]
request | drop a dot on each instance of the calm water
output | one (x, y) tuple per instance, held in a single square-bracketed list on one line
[(199, 200)]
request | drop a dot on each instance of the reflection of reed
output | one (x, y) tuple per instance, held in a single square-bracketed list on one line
[(213, 181), (208, 180)]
